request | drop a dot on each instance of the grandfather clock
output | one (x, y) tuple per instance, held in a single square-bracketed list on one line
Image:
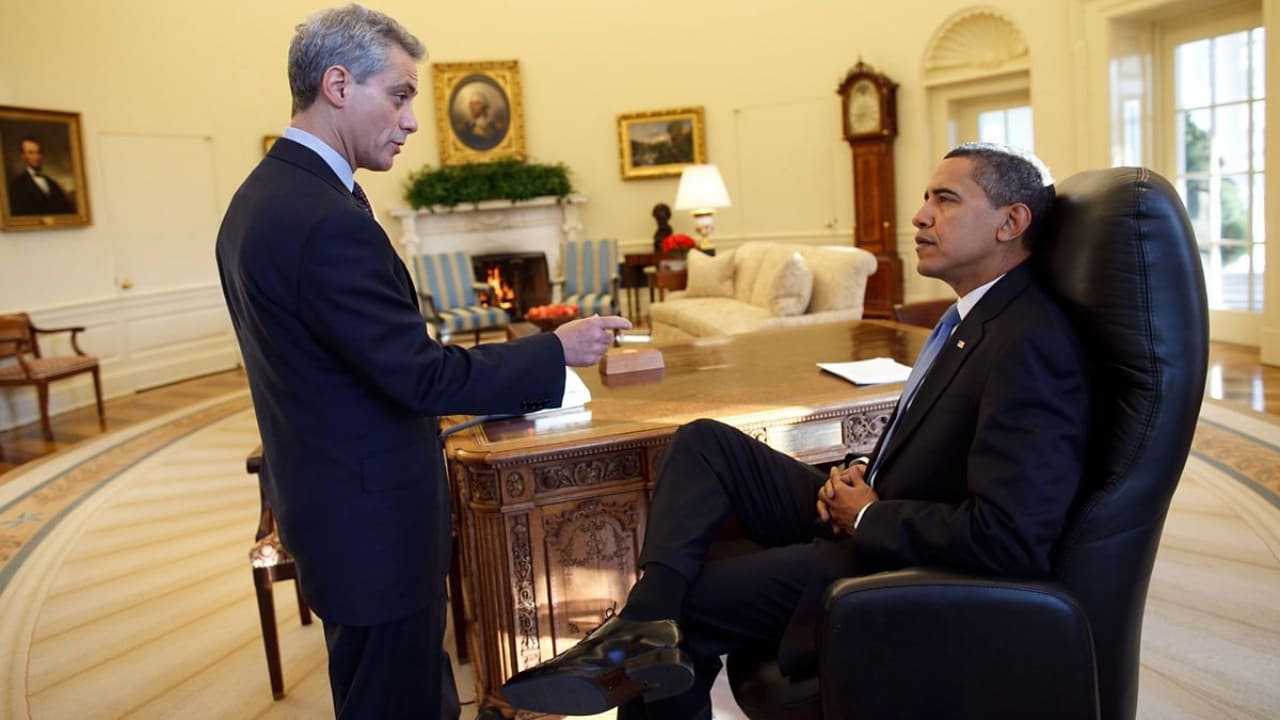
[(870, 125)]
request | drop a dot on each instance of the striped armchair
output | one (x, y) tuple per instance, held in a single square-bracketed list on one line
[(591, 276), (447, 288)]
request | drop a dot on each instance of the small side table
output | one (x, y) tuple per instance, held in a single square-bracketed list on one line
[(665, 280), (635, 269)]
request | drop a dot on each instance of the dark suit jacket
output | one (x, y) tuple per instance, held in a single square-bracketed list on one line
[(25, 197), (347, 385), (984, 465)]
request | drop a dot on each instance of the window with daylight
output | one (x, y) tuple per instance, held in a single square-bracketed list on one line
[(1218, 142)]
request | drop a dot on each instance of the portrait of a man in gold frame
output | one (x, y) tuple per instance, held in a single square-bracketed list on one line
[(479, 114)]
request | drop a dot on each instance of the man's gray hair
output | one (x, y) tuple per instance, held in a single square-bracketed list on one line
[(1009, 175), (354, 37)]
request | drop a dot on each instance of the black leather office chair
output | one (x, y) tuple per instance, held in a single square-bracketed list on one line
[(920, 643)]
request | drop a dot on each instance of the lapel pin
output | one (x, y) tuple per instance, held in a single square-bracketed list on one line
[(960, 344)]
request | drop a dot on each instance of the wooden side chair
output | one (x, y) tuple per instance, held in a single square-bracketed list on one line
[(447, 288), (925, 313), (271, 562), (591, 278), (19, 343)]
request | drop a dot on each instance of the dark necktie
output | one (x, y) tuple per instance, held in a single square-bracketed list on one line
[(932, 347), (361, 198)]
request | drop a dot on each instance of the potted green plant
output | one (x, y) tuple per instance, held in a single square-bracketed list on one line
[(506, 179)]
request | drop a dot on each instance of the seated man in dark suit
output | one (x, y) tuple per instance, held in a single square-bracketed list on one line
[(31, 192), (975, 472)]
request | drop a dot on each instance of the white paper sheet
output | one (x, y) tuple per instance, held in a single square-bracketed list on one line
[(869, 372)]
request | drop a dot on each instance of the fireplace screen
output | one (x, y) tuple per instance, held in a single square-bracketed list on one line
[(515, 281)]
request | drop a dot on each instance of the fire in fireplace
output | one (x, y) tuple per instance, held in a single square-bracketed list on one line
[(516, 281)]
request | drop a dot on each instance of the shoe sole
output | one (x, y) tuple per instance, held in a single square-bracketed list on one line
[(656, 675), (662, 674)]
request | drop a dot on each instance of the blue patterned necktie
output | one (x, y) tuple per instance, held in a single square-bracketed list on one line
[(361, 198), (937, 339)]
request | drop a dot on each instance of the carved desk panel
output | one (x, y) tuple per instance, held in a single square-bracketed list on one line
[(551, 511)]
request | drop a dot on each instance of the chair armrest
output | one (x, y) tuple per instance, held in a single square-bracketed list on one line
[(45, 331), (427, 306), (1012, 648), (75, 331)]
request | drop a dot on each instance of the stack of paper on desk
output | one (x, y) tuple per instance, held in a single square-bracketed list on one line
[(869, 372)]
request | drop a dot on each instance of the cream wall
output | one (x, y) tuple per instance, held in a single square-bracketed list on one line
[(198, 84), (215, 72)]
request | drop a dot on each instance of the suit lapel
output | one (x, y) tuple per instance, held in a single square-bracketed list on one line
[(963, 343), (303, 158)]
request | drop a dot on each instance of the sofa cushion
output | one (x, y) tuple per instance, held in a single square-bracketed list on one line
[(839, 276), (790, 287), (710, 275), (705, 317)]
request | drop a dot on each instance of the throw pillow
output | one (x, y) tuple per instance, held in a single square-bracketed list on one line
[(791, 287), (709, 275)]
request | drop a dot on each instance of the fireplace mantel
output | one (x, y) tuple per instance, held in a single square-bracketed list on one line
[(542, 224)]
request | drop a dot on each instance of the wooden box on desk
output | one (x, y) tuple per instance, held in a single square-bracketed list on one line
[(630, 360)]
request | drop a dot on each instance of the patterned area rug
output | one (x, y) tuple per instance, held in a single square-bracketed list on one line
[(124, 587)]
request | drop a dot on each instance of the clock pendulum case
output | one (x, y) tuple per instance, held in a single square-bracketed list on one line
[(870, 124)]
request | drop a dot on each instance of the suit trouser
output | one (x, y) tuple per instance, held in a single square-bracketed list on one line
[(710, 471), (393, 670)]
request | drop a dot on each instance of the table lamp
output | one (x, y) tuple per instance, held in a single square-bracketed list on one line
[(701, 191)]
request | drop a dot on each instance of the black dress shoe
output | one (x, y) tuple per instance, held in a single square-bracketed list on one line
[(612, 665)]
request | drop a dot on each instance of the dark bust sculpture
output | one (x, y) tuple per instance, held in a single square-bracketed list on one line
[(662, 214)]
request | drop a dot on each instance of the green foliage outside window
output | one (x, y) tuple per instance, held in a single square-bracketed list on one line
[(475, 182), (1234, 214)]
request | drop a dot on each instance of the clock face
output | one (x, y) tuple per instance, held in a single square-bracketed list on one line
[(864, 108)]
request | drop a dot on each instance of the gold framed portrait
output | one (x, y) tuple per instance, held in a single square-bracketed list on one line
[(44, 179), (479, 114), (659, 143)]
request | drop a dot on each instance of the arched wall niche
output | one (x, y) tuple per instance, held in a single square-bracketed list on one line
[(974, 43)]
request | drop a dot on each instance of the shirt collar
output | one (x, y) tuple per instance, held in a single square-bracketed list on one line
[(331, 157), (971, 298)]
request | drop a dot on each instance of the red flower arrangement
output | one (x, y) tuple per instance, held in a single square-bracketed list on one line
[(678, 244)]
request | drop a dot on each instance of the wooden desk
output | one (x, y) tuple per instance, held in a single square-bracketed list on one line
[(552, 513)]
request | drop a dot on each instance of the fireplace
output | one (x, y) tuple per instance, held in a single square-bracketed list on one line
[(494, 227), (517, 281)]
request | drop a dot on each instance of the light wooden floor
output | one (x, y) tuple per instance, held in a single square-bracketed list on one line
[(153, 616)]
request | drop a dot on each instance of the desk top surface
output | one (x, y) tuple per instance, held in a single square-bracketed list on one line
[(739, 379)]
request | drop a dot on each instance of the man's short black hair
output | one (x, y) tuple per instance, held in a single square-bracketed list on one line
[(1009, 175)]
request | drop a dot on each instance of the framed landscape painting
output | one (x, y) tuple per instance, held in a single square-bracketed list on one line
[(658, 143), (479, 116), (44, 179)]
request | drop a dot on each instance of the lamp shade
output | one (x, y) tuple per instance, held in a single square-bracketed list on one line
[(701, 188)]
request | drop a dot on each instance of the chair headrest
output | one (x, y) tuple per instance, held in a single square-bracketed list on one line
[(1120, 252)]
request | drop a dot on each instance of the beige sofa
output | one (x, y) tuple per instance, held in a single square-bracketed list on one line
[(762, 285)]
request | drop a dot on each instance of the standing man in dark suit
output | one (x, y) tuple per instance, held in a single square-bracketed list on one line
[(346, 383), (31, 192), (976, 473)]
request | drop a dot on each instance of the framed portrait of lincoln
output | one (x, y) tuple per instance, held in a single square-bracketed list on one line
[(44, 179)]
